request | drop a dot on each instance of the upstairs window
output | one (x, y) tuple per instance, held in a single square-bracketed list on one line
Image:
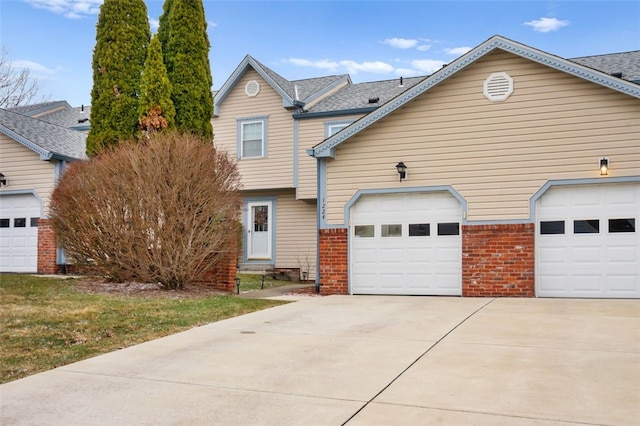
[(333, 127), (252, 137)]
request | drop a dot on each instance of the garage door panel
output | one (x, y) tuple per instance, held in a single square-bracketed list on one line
[(623, 285), (447, 255), (553, 255), (585, 284), (599, 253), (553, 284), (623, 254), (407, 262), (588, 255)]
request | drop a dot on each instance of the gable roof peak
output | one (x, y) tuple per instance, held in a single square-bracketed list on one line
[(293, 93), (327, 147)]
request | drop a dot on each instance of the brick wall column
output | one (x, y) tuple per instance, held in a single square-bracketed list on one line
[(226, 269), (333, 257), (498, 260), (221, 276), (46, 248)]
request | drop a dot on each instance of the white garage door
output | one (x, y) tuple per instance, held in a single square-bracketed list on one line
[(588, 242), (406, 244), (19, 233)]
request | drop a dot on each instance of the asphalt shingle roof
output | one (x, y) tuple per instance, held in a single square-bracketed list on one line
[(48, 139), (310, 86), (627, 63), (306, 87), (356, 96), (38, 108), (72, 118)]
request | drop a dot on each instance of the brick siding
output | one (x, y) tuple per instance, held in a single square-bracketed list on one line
[(334, 268), (223, 274), (46, 248), (498, 260)]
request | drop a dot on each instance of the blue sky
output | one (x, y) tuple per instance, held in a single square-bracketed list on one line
[(370, 40)]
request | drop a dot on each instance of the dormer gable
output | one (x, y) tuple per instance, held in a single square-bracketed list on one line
[(294, 94)]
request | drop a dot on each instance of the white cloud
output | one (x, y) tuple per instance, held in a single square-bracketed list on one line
[(69, 8), (32, 66), (545, 25), (154, 24), (401, 43), (324, 64), (36, 70), (424, 47), (457, 51), (406, 72), (427, 65), (376, 67), (351, 67)]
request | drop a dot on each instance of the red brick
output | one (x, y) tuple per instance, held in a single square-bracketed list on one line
[(498, 260)]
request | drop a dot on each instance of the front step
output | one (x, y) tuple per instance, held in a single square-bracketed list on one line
[(255, 268)]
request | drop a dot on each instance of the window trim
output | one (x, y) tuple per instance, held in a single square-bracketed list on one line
[(264, 121), (328, 125)]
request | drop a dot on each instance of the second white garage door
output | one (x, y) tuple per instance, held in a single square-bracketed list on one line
[(406, 244), (19, 233), (588, 241)]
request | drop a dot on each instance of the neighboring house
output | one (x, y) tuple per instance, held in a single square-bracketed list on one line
[(59, 113), (268, 123), (522, 179), (36, 143)]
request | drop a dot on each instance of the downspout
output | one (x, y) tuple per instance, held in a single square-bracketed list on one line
[(311, 152)]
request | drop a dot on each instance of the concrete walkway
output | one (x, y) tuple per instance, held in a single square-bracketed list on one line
[(361, 360), (276, 292)]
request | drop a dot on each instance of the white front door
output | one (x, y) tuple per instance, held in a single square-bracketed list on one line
[(588, 241), (19, 233), (259, 230)]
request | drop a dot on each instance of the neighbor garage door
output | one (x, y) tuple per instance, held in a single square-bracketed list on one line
[(587, 241), (19, 233), (406, 244)]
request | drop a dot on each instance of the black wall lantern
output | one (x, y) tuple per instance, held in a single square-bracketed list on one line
[(402, 170), (3, 180), (604, 166)]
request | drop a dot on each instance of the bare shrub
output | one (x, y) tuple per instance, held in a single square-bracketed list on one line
[(159, 211)]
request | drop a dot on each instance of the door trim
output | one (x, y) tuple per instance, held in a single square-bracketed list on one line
[(248, 225)]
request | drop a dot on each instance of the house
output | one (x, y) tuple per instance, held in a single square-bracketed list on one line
[(36, 143), (268, 123), (521, 178)]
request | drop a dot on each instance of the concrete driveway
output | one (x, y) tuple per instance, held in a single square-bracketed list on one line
[(361, 360)]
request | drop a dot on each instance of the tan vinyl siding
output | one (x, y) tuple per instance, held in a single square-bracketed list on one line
[(496, 155), (296, 233), (311, 133), (276, 170), (24, 170)]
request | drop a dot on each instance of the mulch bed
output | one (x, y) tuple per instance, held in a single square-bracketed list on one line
[(137, 289)]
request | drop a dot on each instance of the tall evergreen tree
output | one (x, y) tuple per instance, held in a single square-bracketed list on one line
[(122, 39), (163, 27), (156, 110), (187, 62)]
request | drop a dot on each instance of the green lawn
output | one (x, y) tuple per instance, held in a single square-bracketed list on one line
[(47, 322), (250, 282)]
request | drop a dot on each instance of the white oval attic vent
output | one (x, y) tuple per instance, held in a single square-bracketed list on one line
[(252, 88), (498, 87)]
